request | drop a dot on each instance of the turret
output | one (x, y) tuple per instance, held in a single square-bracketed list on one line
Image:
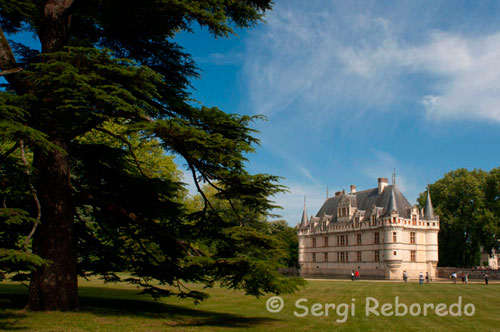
[(428, 209), (393, 207), (303, 222)]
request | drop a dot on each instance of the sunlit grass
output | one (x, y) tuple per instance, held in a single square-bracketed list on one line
[(114, 307)]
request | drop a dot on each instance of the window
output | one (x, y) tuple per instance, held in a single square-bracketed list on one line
[(414, 219), (326, 257), (358, 256), (347, 257), (358, 238), (373, 220), (346, 240), (326, 241), (394, 253), (314, 257), (314, 242), (342, 256), (394, 220), (413, 256), (377, 238), (377, 256), (394, 237), (412, 238)]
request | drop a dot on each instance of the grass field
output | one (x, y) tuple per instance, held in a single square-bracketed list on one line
[(118, 308)]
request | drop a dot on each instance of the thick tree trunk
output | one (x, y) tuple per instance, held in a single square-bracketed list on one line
[(54, 286)]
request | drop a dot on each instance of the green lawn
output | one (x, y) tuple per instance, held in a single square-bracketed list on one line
[(118, 308)]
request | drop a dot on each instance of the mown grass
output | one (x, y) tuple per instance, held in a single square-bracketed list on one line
[(118, 308)]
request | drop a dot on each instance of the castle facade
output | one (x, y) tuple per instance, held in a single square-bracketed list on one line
[(375, 231)]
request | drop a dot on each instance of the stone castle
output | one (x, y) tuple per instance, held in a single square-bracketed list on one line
[(375, 231)]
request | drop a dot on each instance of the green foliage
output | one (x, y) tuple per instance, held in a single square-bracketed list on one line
[(467, 204), (109, 91)]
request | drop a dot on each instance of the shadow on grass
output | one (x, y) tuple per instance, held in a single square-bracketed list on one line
[(116, 303)]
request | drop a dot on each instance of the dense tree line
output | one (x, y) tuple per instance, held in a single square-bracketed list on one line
[(468, 204)]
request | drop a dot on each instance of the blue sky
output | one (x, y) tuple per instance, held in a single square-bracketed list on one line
[(353, 90)]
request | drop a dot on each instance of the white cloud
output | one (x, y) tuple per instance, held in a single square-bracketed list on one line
[(327, 64)]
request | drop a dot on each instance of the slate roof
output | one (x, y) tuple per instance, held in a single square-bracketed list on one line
[(428, 209), (303, 221), (366, 200)]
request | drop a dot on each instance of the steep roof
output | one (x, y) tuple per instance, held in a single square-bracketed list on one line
[(303, 221), (390, 198), (428, 209)]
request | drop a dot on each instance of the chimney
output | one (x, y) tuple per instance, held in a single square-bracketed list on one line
[(382, 183), (353, 189), (338, 193)]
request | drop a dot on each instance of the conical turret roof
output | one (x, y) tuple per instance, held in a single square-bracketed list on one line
[(428, 209), (392, 202), (303, 221)]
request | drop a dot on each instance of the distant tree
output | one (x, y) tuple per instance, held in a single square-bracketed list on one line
[(288, 235), (466, 202), (108, 87)]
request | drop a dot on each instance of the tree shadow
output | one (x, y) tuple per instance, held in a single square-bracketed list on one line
[(119, 303)]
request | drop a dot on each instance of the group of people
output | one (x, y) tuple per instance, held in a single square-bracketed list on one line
[(453, 276), (420, 277), (465, 278)]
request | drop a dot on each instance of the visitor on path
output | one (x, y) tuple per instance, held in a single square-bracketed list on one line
[(466, 278), (405, 276), (421, 278), (352, 275), (356, 275), (454, 277), (486, 278), (463, 277)]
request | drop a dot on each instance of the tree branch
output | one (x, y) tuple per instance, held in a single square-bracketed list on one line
[(35, 198), (10, 71), (126, 141), (9, 151), (8, 62)]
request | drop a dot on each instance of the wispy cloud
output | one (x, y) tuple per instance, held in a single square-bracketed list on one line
[(330, 63)]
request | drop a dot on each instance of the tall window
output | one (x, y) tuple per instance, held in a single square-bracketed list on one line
[(358, 256), (347, 257), (413, 256), (373, 220), (414, 219), (377, 256), (412, 238), (326, 257), (314, 257), (394, 237), (314, 242), (358, 238), (326, 241), (377, 238), (347, 240)]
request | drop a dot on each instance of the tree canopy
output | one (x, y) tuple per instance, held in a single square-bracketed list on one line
[(468, 205), (87, 123)]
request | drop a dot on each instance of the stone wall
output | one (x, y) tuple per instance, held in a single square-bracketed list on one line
[(445, 272)]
